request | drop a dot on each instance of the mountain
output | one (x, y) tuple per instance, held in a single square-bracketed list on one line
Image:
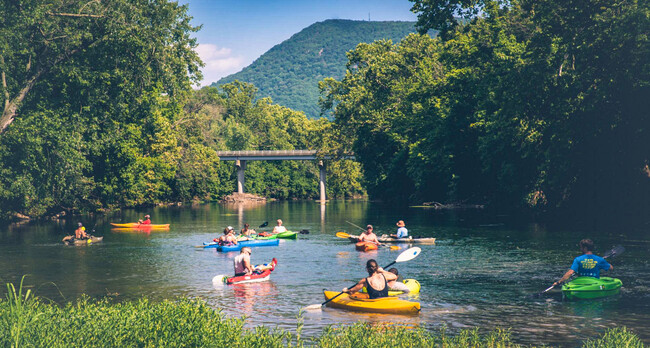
[(290, 71)]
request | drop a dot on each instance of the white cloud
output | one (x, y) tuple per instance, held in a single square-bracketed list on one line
[(219, 62)]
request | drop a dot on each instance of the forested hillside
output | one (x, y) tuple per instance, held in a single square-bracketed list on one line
[(289, 72)]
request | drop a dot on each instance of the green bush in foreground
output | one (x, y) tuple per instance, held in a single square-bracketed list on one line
[(26, 321)]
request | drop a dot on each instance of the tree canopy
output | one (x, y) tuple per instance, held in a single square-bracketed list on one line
[(525, 104)]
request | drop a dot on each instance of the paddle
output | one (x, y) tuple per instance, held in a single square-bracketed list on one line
[(266, 223), (406, 255), (357, 226), (617, 250), (345, 235)]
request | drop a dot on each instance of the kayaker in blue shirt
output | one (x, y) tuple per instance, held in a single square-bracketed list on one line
[(402, 232), (586, 265)]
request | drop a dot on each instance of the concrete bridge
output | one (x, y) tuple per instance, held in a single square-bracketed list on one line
[(241, 157)]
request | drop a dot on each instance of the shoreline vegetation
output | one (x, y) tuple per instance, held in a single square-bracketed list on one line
[(29, 321)]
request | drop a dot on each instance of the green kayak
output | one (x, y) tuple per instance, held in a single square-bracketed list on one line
[(288, 235), (281, 235), (589, 287)]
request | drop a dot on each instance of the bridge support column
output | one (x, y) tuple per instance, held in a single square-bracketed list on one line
[(323, 197), (241, 166)]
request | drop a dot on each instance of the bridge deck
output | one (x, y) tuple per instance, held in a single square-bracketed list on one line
[(270, 155)]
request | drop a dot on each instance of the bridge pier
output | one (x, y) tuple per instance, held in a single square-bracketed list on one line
[(241, 167), (321, 185), (240, 158)]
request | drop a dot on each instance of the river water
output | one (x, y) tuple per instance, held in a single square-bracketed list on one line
[(479, 273)]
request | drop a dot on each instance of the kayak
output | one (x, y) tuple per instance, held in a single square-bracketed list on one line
[(386, 239), (412, 284), (267, 236), (141, 226), (361, 303), (91, 240), (287, 235), (263, 275), (239, 245), (249, 243), (281, 235), (366, 246), (589, 287)]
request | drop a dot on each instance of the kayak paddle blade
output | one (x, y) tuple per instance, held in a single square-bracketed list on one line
[(408, 254), (395, 247), (266, 223), (617, 250), (539, 294), (342, 235), (218, 280), (313, 307)]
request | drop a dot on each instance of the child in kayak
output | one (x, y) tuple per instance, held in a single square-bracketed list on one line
[(376, 283), (586, 265), (397, 284)]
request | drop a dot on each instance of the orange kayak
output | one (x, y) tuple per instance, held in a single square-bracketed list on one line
[(366, 246), (141, 226)]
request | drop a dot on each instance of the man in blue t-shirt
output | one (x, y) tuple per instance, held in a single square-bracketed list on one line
[(402, 232), (586, 265)]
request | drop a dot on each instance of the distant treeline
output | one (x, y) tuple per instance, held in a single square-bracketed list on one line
[(524, 104), (98, 112)]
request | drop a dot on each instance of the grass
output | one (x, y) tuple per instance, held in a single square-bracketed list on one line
[(25, 321)]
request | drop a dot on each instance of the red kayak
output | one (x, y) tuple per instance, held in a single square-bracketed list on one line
[(263, 275), (366, 246)]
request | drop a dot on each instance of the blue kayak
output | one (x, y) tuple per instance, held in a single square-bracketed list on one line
[(248, 243)]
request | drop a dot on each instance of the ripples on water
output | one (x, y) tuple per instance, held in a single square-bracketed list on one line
[(479, 274)]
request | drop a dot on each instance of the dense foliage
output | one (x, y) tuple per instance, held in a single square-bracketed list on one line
[(27, 321), (99, 113), (535, 104), (289, 72)]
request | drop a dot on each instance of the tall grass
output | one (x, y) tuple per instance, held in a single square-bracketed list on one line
[(27, 322)]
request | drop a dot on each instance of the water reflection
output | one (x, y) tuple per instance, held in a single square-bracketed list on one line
[(474, 276)]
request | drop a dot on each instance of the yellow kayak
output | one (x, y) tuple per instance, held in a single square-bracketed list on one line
[(141, 226), (412, 284), (361, 303)]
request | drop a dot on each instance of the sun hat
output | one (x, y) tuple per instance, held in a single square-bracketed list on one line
[(400, 223)]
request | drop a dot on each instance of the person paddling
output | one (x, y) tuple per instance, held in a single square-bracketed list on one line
[(247, 231), (376, 283), (279, 228), (145, 221), (242, 262), (586, 265), (80, 232), (369, 236), (402, 232)]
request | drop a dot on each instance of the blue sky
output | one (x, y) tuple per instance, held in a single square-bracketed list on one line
[(236, 32)]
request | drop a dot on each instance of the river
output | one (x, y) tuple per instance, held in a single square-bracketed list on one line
[(479, 273)]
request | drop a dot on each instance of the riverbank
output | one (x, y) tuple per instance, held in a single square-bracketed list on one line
[(28, 321)]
